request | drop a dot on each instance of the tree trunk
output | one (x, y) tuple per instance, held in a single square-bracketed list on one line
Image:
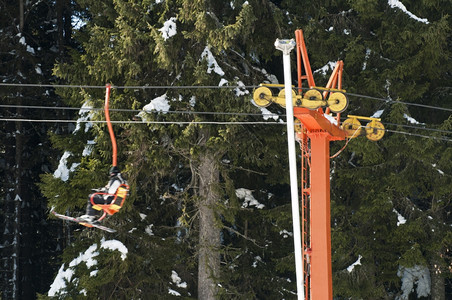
[(64, 25), (438, 290), (21, 15), (11, 238), (209, 234), (17, 211)]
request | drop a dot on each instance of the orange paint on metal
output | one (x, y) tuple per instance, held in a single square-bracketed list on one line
[(335, 79), (312, 120), (321, 271), (305, 210), (314, 137), (303, 54), (110, 127)]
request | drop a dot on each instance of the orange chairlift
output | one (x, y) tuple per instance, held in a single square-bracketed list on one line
[(123, 190)]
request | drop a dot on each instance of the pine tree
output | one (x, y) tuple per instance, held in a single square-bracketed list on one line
[(392, 54), (182, 176), (28, 52)]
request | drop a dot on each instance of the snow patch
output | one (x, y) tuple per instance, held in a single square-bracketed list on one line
[(285, 233), (399, 5), (148, 229), (356, 263), (160, 103), (387, 86), (173, 292), (266, 114), (412, 120), (240, 90), (22, 41), (30, 50), (249, 200), (223, 82), (257, 259), (192, 101), (378, 113), (88, 257), (63, 171), (400, 219), (115, 245), (212, 64), (169, 28), (59, 283), (439, 171), (368, 51), (177, 280), (330, 118), (324, 70), (177, 188), (417, 275), (88, 148), (86, 114), (271, 78)]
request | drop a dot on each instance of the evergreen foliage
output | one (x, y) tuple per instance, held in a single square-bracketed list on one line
[(164, 164), (192, 225), (31, 39)]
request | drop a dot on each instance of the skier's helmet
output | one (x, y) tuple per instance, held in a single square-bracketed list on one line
[(114, 171)]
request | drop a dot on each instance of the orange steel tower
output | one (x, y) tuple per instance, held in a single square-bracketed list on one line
[(315, 129), (314, 132), (314, 135)]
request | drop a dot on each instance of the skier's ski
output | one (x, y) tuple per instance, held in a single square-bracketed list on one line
[(86, 224)]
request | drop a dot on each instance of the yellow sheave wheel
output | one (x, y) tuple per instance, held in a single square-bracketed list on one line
[(312, 99), (282, 96), (313, 95), (262, 96), (337, 102), (352, 127), (375, 131)]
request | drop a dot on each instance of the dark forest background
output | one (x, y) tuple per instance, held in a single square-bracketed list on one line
[(184, 177)]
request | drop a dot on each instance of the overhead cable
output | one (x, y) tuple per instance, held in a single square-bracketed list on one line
[(88, 109), (175, 112), (143, 87), (133, 87), (203, 123), (144, 122), (270, 114), (420, 135)]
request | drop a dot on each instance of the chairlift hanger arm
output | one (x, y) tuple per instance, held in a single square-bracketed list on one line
[(110, 127)]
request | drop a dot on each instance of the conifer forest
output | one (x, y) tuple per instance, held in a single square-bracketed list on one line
[(209, 215)]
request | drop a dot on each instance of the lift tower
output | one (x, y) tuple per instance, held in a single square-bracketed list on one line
[(315, 129), (314, 134)]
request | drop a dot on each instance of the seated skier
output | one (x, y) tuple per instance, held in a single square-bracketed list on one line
[(110, 189)]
